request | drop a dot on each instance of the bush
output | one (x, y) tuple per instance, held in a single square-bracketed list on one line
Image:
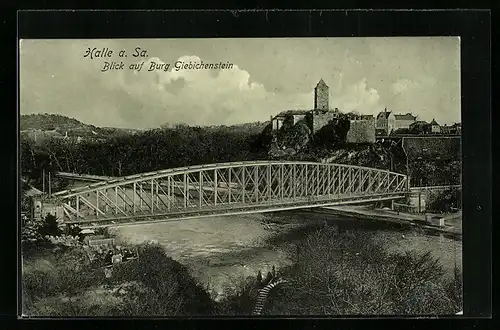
[(349, 274), (50, 227), (242, 299), (454, 290), (162, 287), (69, 276), (444, 201), (169, 287)]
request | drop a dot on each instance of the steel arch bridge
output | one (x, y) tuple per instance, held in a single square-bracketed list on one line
[(223, 189)]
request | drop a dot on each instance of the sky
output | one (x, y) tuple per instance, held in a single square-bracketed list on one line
[(402, 74)]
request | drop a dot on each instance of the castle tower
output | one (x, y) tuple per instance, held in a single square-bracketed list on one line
[(321, 96)]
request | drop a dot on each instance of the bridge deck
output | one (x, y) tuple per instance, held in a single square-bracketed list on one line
[(146, 217)]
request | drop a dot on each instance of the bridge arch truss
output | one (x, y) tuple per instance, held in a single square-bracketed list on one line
[(226, 188)]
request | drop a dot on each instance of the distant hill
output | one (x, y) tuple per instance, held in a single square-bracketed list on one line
[(250, 128), (52, 122), (57, 125)]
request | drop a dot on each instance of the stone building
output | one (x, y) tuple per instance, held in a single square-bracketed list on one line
[(454, 129), (385, 123), (321, 96), (404, 120), (316, 118), (288, 118), (362, 128)]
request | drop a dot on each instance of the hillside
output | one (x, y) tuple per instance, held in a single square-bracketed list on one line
[(50, 122), (433, 148), (52, 125), (57, 125)]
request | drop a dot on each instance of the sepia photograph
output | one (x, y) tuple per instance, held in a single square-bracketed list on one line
[(240, 177)]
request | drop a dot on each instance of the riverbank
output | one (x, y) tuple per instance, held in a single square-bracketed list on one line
[(452, 222), (221, 258)]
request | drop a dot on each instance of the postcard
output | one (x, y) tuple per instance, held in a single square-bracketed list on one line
[(241, 176)]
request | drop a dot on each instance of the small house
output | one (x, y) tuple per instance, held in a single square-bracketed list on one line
[(435, 128)]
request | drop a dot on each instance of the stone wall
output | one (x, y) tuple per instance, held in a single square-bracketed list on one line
[(361, 131), (320, 119), (297, 118)]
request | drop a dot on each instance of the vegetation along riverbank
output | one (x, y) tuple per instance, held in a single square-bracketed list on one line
[(334, 273)]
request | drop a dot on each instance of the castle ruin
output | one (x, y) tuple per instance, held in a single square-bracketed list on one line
[(362, 128)]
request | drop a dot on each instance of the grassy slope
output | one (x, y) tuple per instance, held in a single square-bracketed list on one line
[(62, 283)]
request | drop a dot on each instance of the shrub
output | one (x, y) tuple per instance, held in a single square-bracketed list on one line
[(50, 227), (349, 274), (454, 290), (241, 299), (169, 287), (164, 287), (444, 201)]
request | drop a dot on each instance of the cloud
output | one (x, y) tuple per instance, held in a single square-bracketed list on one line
[(358, 97), (202, 97)]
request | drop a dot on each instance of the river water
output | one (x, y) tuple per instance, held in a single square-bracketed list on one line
[(223, 251)]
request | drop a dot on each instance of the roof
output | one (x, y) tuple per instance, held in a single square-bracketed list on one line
[(295, 112), (360, 117), (384, 114), (406, 116), (434, 122), (291, 113), (420, 122), (321, 83)]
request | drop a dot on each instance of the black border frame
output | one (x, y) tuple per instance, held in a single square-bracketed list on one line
[(473, 26)]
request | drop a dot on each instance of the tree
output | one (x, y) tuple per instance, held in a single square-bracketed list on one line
[(168, 287), (50, 226)]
